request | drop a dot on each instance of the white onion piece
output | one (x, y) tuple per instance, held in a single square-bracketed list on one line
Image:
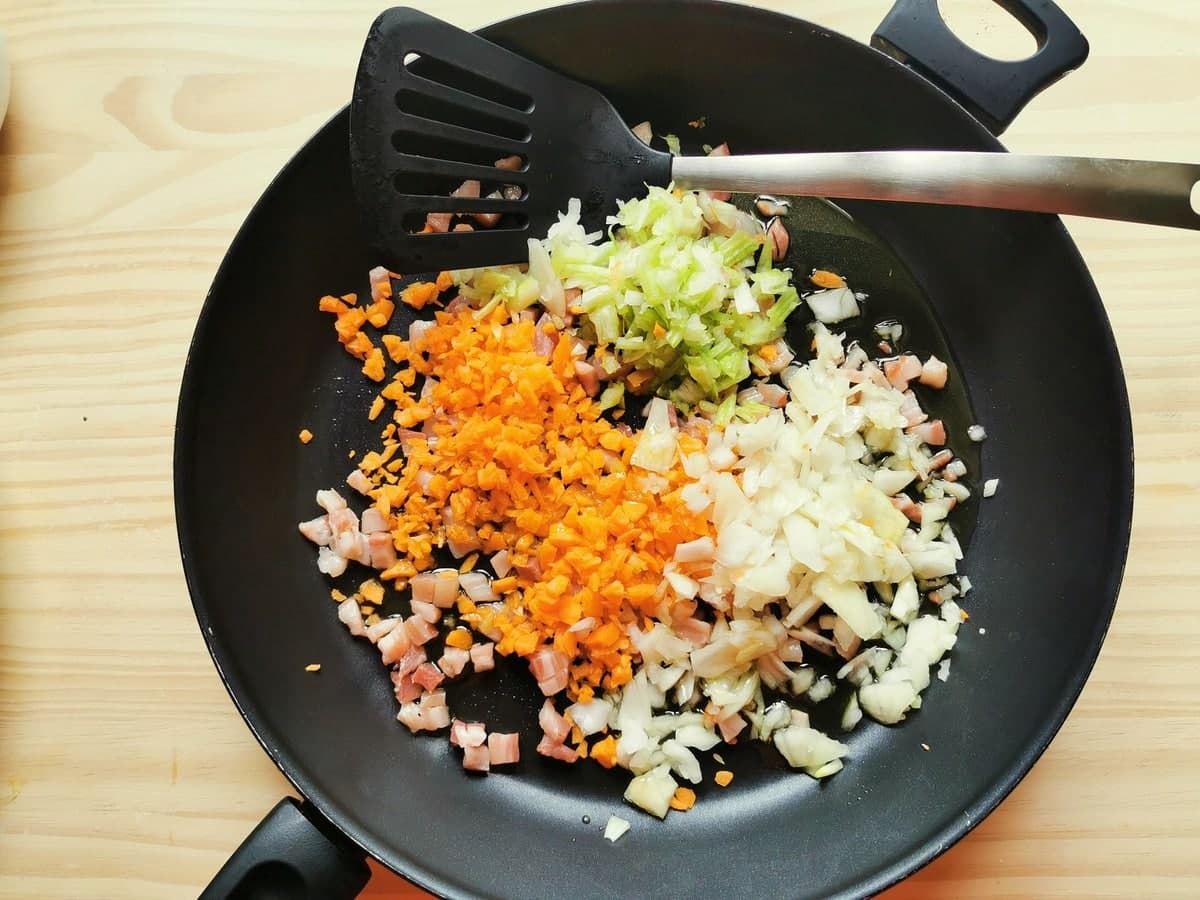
[(808, 749), (887, 703), (616, 827), (587, 623), (655, 450), (653, 790), (591, 717), (682, 761), (552, 295), (852, 715), (832, 306), (695, 497), (695, 551), (697, 737)]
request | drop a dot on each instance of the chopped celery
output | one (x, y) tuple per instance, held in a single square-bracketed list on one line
[(612, 395), (681, 306), (661, 296)]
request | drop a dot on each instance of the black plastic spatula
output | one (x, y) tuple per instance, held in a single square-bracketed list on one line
[(435, 106)]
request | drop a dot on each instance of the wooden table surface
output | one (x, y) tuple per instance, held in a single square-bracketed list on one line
[(138, 136)]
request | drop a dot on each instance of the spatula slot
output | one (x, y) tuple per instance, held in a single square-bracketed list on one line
[(441, 109), (423, 225), (417, 184), (414, 142), (437, 70), (423, 176)]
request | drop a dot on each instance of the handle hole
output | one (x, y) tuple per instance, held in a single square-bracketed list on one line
[(1196, 198), (989, 28)]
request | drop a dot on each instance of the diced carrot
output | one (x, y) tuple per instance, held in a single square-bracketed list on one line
[(380, 312), (348, 323), (373, 368), (504, 585), (396, 348), (305, 435), (518, 459), (331, 305), (419, 294), (723, 777), (460, 638), (638, 379), (683, 799), (605, 751), (376, 408), (444, 281), (359, 345), (768, 352), (371, 591), (402, 569), (823, 278)]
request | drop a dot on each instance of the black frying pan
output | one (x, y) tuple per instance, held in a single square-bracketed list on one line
[(1006, 291)]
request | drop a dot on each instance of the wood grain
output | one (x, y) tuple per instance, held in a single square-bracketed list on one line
[(138, 136)]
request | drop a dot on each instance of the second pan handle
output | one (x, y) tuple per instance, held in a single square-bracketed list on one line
[(992, 90)]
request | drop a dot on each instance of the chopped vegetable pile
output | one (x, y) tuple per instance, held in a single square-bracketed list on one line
[(684, 301), (670, 586)]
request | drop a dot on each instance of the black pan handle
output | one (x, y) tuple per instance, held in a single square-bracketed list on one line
[(292, 854), (992, 90)]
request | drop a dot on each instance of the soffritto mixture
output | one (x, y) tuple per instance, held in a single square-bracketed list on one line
[(668, 585)]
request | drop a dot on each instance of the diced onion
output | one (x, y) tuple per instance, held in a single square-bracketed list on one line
[(615, 828)]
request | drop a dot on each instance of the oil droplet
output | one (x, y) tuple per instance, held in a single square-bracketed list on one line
[(587, 820)]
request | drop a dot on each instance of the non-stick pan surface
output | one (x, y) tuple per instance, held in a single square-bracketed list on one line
[(1030, 339)]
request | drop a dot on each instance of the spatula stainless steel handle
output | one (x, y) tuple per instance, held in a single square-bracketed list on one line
[(1155, 193)]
